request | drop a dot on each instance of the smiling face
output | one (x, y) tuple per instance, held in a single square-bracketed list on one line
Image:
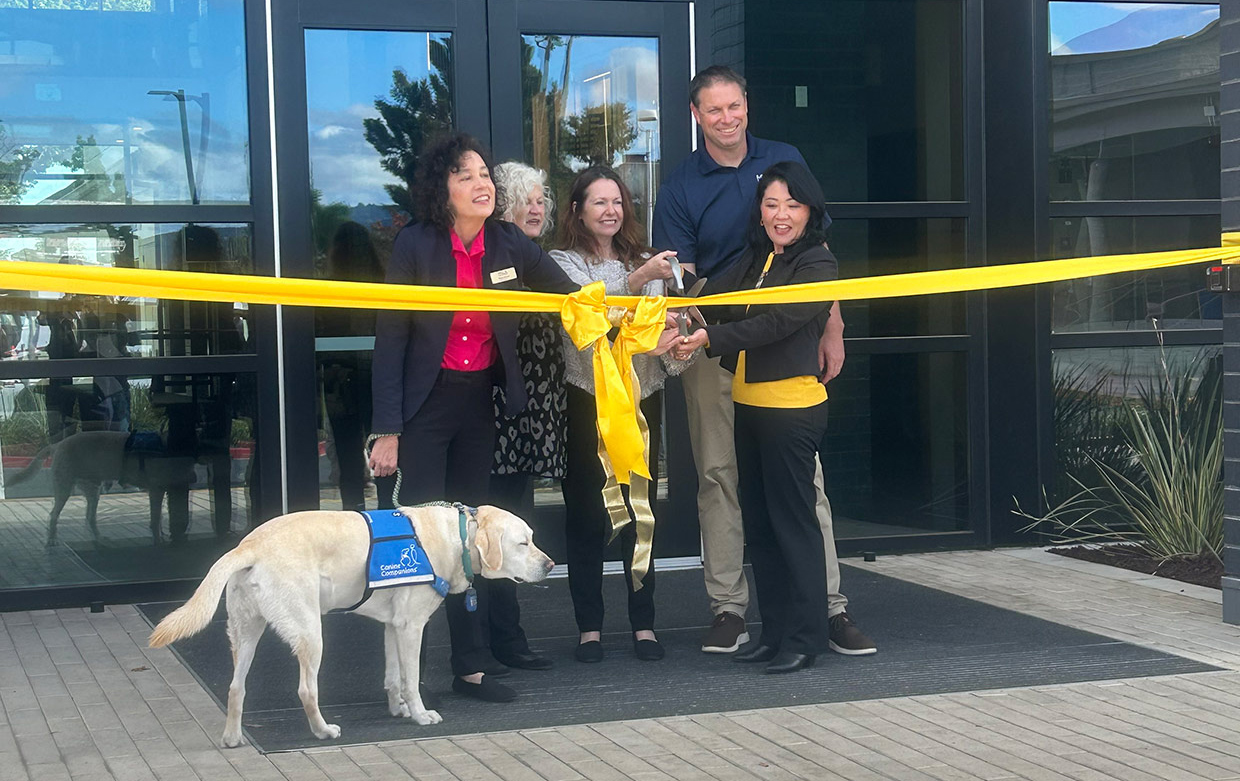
[(723, 114), (602, 210), (783, 217), (471, 193), (530, 215)]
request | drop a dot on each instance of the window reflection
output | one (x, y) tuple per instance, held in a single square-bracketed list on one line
[(870, 91), (373, 99), (867, 248), (42, 325), (88, 117), (896, 454), (1120, 302), (170, 476), (1134, 101), (593, 100), (1091, 387)]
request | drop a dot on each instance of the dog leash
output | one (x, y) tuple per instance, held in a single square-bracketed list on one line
[(370, 442)]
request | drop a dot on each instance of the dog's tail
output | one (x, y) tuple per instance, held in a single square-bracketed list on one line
[(195, 614), (36, 463)]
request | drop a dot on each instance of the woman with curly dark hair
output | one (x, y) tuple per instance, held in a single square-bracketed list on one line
[(433, 371)]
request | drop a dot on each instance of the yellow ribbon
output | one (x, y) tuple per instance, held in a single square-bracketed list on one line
[(253, 289), (623, 434), (624, 437)]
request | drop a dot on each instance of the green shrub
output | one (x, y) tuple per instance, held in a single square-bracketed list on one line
[(1159, 484)]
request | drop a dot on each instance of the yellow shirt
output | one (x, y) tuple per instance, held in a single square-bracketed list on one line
[(791, 393)]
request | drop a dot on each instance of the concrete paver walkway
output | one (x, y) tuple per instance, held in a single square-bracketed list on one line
[(83, 698)]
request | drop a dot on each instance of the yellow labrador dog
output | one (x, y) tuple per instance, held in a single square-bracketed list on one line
[(292, 569)]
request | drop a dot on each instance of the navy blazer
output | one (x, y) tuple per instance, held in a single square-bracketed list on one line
[(780, 340), (409, 346)]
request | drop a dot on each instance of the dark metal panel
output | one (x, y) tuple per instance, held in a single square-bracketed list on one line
[(299, 440), (97, 213), (426, 15), (90, 367), (1013, 109), (1130, 208), (899, 209), (504, 49), (470, 62), (890, 345), (975, 250), (1171, 338), (1229, 67), (266, 502)]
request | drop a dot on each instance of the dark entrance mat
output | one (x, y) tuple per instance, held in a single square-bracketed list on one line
[(929, 642)]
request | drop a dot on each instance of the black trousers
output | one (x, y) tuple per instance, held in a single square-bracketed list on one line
[(587, 526), (775, 451), (446, 452)]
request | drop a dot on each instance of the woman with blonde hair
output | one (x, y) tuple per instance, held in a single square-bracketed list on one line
[(531, 443)]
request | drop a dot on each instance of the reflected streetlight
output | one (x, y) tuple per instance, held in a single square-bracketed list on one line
[(648, 121), (204, 101)]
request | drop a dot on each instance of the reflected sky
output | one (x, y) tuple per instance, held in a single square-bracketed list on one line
[(348, 70), (1084, 28), (70, 74)]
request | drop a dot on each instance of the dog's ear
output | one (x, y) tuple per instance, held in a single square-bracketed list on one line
[(489, 541)]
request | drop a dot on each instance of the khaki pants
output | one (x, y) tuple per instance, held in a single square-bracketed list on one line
[(708, 396)]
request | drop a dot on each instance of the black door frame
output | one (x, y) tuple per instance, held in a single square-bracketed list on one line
[(486, 86)]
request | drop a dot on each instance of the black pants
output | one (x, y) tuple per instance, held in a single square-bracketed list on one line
[(446, 452), (775, 451), (587, 526)]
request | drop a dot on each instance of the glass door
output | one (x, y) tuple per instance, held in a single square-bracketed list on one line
[(373, 98), (363, 87), (561, 85), (600, 83)]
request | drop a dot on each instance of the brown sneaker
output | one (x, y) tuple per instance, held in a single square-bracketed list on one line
[(847, 639), (726, 634)]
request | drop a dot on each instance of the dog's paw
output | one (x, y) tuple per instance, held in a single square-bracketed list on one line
[(396, 704), (232, 741), (329, 732), (426, 718)]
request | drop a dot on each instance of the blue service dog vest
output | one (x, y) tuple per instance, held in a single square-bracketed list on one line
[(396, 557)]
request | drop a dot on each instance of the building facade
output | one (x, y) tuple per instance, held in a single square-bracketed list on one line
[(278, 138)]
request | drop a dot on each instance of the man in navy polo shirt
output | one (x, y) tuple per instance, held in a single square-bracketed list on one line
[(702, 213)]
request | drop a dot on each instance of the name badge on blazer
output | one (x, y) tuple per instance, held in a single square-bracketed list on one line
[(503, 275)]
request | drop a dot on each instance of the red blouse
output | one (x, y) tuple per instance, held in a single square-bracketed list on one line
[(471, 342)]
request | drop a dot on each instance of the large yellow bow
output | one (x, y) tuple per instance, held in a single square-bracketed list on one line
[(624, 437), (588, 318)]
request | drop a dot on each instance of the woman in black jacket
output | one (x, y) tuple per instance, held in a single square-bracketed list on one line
[(433, 371), (781, 413)]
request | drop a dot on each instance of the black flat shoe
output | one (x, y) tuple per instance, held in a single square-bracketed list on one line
[(789, 662), (526, 661), (647, 650), (756, 653), (487, 691), (589, 652)]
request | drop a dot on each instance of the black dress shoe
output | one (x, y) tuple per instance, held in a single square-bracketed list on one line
[(790, 662), (757, 653), (487, 691), (497, 670), (526, 661), (591, 651), (647, 650)]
